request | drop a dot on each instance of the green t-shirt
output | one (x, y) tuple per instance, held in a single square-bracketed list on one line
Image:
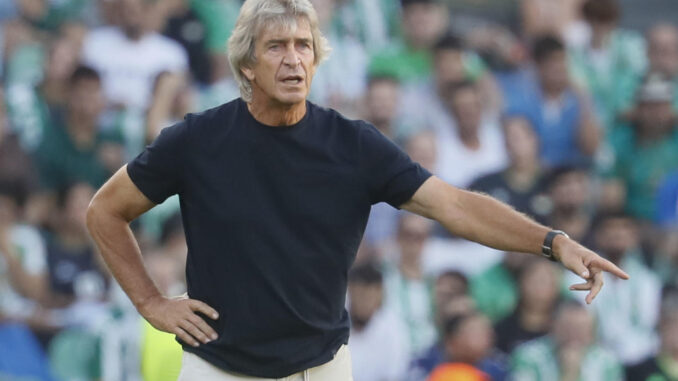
[(641, 168), (610, 77), (219, 17), (60, 162), (495, 292)]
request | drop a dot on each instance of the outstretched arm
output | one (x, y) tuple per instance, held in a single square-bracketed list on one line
[(482, 219), (114, 206)]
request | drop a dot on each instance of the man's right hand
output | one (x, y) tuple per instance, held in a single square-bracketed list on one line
[(178, 316)]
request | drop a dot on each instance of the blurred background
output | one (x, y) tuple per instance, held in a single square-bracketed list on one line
[(564, 109)]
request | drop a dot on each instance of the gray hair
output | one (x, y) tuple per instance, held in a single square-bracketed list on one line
[(255, 15)]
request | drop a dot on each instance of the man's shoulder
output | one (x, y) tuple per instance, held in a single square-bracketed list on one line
[(325, 116), (215, 115)]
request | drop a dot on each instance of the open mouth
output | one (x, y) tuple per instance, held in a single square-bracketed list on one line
[(293, 79)]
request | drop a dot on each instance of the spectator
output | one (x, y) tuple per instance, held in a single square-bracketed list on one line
[(184, 25), (475, 147), (378, 342), (561, 116), (130, 56), (23, 261), (74, 149), (570, 192), (78, 279), (561, 18), (409, 60), (522, 183), (408, 291), (422, 148), (340, 81), (381, 102), (375, 23), (608, 64), (423, 104), (645, 151), (539, 291), (663, 365), (469, 339), (568, 353), (662, 53), (628, 315), (451, 300)]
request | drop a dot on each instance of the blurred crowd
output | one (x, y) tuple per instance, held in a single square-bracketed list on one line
[(551, 106)]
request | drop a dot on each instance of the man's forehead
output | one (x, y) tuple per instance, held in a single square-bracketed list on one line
[(294, 29)]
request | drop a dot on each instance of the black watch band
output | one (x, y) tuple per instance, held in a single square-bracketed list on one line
[(547, 247)]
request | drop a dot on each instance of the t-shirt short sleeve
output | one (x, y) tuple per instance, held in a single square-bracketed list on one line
[(391, 175), (157, 171)]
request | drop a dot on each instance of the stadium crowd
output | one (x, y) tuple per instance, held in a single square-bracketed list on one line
[(551, 106)]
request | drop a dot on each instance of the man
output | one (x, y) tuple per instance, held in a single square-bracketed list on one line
[(568, 353), (561, 115), (379, 340), (631, 308), (275, 194), (645, 151), (131, 56)]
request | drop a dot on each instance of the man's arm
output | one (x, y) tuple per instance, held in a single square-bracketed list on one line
[(487, 221), (114, 206)]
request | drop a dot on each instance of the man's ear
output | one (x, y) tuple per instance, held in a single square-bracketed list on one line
[(248, 73)]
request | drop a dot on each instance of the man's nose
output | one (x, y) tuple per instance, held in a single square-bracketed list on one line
[(291, 57)]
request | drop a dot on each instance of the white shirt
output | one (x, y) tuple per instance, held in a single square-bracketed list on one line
[(31, 250), (129, 68), (379, 352), (627, 311)]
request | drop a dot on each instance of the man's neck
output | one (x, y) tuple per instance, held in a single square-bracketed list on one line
[(272, 113), (411, 269), (469, 137)]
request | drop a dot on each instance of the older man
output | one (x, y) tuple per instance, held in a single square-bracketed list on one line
[(275, 194)]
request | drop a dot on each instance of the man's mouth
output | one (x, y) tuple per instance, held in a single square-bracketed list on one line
[(293, 79)]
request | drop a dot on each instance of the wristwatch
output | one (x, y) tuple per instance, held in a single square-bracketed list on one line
[(547, 246)]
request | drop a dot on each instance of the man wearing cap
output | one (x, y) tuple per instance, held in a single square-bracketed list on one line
[(645, 151), (275, 193)]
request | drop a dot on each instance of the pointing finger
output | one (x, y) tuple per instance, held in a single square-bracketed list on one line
[(610, 267)]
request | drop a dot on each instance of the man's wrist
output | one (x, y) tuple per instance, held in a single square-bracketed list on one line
[(552, 245)]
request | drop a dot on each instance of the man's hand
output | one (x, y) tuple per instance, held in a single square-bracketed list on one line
[(178, 316), (586, 264)]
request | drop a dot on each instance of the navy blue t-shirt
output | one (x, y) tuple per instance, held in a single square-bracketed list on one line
[(273, 219)]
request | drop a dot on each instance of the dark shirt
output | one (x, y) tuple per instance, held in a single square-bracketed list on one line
[(510, 333), (531, 201), (273, 218), (648, 370)]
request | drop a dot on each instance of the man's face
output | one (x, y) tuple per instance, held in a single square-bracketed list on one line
[(449, 67), (553, 72), (86, 98), (522, 144), (573, 326), (655, 117), (571, 191), (365, 301), (615, 236), (284, 64), (412, 234), (382, 101), (423, 23), (132, 16), (467, 109), (663, 51)]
